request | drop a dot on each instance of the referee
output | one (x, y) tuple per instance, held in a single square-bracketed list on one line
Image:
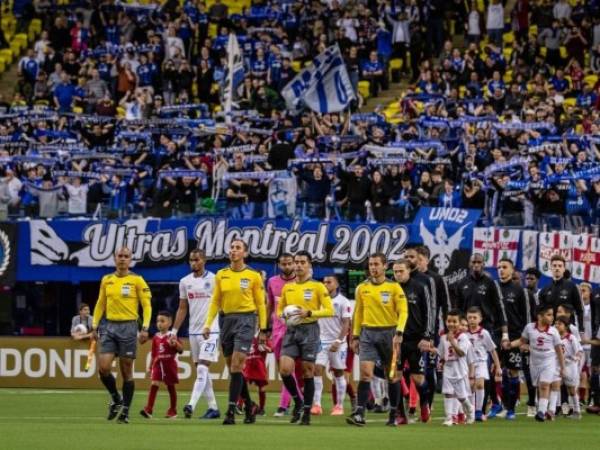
[(240, 295), (121, 295)]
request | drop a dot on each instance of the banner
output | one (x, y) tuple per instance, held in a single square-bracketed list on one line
[(495, 244), (586, 258), (235, 73), (324, 86), (282, 197), (552, 243), (8, 253), (529, 249)]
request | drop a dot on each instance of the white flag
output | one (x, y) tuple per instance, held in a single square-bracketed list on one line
[(324, 86), (529, 245), (235, 72), (554, 243)]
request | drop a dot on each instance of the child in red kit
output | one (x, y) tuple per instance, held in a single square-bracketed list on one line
[(164, 365), (255, 371)]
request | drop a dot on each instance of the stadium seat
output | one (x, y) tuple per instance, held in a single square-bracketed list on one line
[(507, 53), (543, 51), (296, 66), (396, 63), (212, 30), (120, 112), (363, 89), (563, 52), (569, 102), (21, 38), (36, 25), (77, 110), (7, 55), (16, 48), (591, 79), (533, 30), (508, 38), (508, 76), (2, 64)]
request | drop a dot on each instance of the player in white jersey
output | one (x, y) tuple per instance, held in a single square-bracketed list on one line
[(483, 346), (334, 347), (573, 354), (586, 337), (195, 293), (453, 350), (543, 342)]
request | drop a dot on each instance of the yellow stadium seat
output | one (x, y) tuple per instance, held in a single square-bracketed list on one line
[(563, 52), (2, 65), (533, 30), (508, 38), (569, 102), (36, 25), (396, 64), (363, 89), (212, 30), (16, 48), (77, 109), (194, 89), (507, 53), (217, 108), (543, 51), (508, 76), (462, 91), (296, 66), (591, 79), (21, 38), (7, 55), (120, 112)]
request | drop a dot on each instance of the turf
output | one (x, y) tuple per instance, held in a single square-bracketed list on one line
[(65, 420)]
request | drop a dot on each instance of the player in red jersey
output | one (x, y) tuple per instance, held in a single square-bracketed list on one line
[(164, 365), (255, 371)]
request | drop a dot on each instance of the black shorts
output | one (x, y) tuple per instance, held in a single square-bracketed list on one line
[(409, 351), (119, 338), (302, 341), (511, 359), (595, 355), (376, 344), (237, 332)]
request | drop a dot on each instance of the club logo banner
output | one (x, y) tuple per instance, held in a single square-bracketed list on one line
[(8, 253)]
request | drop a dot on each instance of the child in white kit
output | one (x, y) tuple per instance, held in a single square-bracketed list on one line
[(573, 354)]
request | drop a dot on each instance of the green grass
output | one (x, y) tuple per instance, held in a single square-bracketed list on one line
[(70, 420)]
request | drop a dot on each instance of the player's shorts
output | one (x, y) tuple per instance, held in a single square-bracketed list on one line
[(375, 344), (481, 370), (204, 349), (511, 359), (543, 374), (595, 355), (456, 386), (165, 371), (409, 351), (237, 332), (259, 383), (337, 360), (572, 374), (119, 338), (302, 341)]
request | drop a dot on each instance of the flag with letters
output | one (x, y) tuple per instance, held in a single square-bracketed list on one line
[(586, 258), (235, 73), (554, 243), (324, 86), (495, 244)]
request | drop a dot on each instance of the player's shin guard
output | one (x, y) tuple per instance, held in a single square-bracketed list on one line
[(309, 394), (318, 381), (364, 388), (340, 387), (128, 390), (235, 389), (110, 384), (292, 388)]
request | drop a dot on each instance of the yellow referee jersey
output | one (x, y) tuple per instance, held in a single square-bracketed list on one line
[(379, 305), (120, 298), (238, 292), (310, 295)]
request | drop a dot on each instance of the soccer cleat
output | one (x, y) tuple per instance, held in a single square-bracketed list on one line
[(305, 418), (502, 414), (425, 413), (494, 410), (378, 409), (145, 413), (261, 412), (171, 414), (549, 416), (510, 415), (448, 422), (211, 414), (250, 413), (574, 416), (593, 409), (565, 409), (356, 419), (338, 410), (123, 418), (297, 413), (188, 411), (229, 419), (531, 411), (280, 412), (113, 409), (540, 417), (401, 420), (316, 410), (461, 419), (479, 416)]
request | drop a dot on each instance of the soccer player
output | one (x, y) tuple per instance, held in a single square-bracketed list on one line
[(545, 350), (302, 340), (573, 354), (453, 349), (240, 296), (163, 366), (121, 294), (532, 277), (275, 284), (334, 346), (418, 335), (562, 290), (516, 306), (195, 292), (586, 297), (483, 345), (595, 353), (380, 315)]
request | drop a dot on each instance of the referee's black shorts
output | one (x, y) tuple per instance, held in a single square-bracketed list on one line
[(119, 338)]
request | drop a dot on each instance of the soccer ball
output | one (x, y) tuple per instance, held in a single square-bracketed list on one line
[(290, 314), (80, 329)]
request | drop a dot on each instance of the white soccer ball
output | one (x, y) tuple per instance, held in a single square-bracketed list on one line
[(290, 314), (80, 329)]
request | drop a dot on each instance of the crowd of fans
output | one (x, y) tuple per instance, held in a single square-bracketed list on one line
[(116, 111)]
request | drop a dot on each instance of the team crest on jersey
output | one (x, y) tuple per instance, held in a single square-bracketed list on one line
[(244, 283), (412, 298), (481, 290), (308, 294), (207, 285), (385, 297)]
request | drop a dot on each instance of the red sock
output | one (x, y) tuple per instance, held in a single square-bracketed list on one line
[(172, 396), (350, 391), (333, 392), (262, 399), (582, 392), (151, 398), (414, 395)]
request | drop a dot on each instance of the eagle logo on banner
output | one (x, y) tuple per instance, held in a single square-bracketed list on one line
[(441, 245)]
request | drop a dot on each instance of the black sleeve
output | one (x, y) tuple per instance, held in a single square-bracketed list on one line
[(577, 306), (595, 310), (498, 303), (526, 305), (428, 312), (458, 298), (443, 296)]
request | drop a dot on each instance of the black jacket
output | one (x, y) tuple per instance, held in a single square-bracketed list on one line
[(516, 306), (595, 308), (483, 292), (441, 295), (563, 292), (420, 317)]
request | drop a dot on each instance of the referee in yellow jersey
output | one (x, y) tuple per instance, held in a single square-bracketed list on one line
[(239, 295), (380, 314), (303, 340), (121, 295)]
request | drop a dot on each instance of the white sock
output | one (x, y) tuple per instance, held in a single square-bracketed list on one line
[(340, 387), (543, 405), (209, 393), (378, 390), (574, 402), (455, 406), (466, 406), (449, 407), (199, 384), (479, 395), (318, 390), (553, 401)]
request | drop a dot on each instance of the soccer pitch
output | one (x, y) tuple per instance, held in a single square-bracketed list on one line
[(45, 419)]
